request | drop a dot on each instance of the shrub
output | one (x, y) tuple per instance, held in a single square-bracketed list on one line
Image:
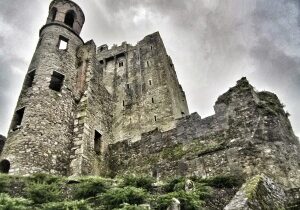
[(4, 183), (131, 207), (172, 183), (8, 203), (140, 181), (42, 193), (67, 205), (227, 181), (45, 178), (188, 200), (89, 188), (114, 197)]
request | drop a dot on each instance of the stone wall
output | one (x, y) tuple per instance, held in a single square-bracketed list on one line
[(144, 86), (249, 134), (2, 142)]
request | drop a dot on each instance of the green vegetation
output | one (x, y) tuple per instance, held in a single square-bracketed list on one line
[(129, 192)]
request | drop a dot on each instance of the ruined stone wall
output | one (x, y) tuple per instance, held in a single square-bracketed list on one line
[(93, 114), (2, 142), (249, 134), (144, 87)]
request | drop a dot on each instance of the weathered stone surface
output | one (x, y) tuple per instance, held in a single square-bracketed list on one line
[(260, 192), (175, 205), (2, 142), (249, 134)]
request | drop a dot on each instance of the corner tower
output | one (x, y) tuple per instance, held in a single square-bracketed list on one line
[(40, 136)]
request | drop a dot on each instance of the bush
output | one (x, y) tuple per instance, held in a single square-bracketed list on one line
[(188, 200), (174, 183), (224, 181), (140, 181), (45, 178), (4, 183), (8, 203), (114, 197), (67, 205), (89, 188), (131, 207), (42, 193)]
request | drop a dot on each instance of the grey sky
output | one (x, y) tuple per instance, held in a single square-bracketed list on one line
[(213, 43)]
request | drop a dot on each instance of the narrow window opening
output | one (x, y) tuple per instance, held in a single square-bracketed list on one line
[(153, 100), (56, 82), (4, 166), (151, 47), (123, 103), (150, 82), (18, 119), (29, 78), (53, 14), (148, 64), (97, 142), (121, 64), (63, 43), (155, 118), (69, 18), (127, 86)]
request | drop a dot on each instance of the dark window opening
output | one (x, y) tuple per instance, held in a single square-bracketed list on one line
[(155, 173), (70, 18), (63, 43), (150, 82), (56, 82), (182, 113), (121, 64), (155, 118), (123, 103), (101, 62), (29, 79), (153, 100), (128, 86), (151, 47), (171, 65), (18, 119), (53, 14), (4, 166), (97, 142), (148, 64)]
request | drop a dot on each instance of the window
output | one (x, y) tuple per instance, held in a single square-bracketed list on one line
[(29, 78), (69, 18), (127, 86), (4, 166), (151, 48), (150, 82), (121, 64), (155, 118), (148, 64), (101, 62), (56, 82), (63, 43), (153, 100), (123, 103), (97, 142), (182, 113), (53, 14), (18, 119)]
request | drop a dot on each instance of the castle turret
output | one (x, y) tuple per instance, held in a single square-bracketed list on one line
[(40, 136)]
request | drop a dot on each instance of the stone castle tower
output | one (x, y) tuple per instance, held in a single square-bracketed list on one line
[(76, 99)]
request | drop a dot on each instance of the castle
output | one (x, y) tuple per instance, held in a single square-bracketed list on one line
[(87, 110)]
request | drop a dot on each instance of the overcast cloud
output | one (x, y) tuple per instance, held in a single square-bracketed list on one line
[(213, 43)]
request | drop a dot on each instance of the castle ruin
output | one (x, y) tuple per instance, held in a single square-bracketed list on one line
[(88, 110)]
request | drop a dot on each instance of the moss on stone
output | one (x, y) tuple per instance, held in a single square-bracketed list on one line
[(251, 186)]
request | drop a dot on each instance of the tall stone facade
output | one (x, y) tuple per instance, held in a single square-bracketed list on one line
[(88, 110)]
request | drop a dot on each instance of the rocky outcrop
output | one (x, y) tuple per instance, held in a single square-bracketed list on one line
[(260, 192), (2, 142)]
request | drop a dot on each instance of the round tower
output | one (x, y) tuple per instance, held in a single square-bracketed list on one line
[(40, 136)]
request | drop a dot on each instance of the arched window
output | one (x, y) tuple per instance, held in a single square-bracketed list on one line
[(70, 18), (4, 166), (53, 14)]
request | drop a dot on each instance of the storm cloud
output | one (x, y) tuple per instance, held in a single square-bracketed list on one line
[(212, 43)]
